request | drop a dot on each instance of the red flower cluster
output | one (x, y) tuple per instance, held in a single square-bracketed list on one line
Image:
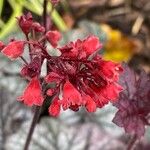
[(27, 24), (81, 76)]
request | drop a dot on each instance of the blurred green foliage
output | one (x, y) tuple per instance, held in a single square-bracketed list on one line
[(34, 6)]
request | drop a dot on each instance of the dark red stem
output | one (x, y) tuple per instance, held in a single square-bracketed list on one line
[(132, 143), (32, 127), (24, 60), (45, 15), (27, 37)]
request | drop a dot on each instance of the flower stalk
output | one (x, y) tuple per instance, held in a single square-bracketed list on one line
[(32, 127), (132, 143)]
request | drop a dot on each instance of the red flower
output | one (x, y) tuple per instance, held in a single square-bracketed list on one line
[(71, 96), (88, 83), (37, 27), (81, 49), (110, 70), (80, 81), (102, 95), (72, 99), (25, 23), (31, 70), (53, 77), (91, 44), (54, 2), (32, 94), (89, 103), (50, 92), (111, 91), (54, 108), (70, 50), (53, 37), (14, 49)]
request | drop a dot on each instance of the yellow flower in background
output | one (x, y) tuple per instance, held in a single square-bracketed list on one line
[(118, 47)]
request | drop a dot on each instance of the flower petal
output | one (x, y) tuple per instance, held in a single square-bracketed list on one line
[(53, 77), (53, 37), (14, 49), (90, 104), (32, 94), (54, 108), (91, 44), (71, 96)]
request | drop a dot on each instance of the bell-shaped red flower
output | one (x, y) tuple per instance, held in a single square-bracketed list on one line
[(71, 96), (53, 37), (37, 27), (54, 108), (91, 44), (110, 70), (32, 94), (89, 103), (14, 49), (25, 23), (53, 77)]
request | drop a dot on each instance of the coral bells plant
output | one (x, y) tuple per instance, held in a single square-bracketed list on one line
[(81, 76)]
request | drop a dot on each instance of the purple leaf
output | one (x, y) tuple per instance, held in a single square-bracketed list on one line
[(128, 80), (134, 102)]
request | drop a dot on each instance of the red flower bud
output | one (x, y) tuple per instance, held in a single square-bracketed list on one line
[(53, 77), (31, 70), (54, 108), (54, 2), (53, 37), (50, 92), (25, 22), (37, 27)]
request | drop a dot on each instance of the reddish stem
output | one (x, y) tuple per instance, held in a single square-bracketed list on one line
[(27, 37), (24, 60), (45, 15), (132, 143), (32, 127)]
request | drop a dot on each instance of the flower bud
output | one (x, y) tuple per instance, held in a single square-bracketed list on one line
[(53, 37), (25, 23), (37, 27), (54, 2)]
